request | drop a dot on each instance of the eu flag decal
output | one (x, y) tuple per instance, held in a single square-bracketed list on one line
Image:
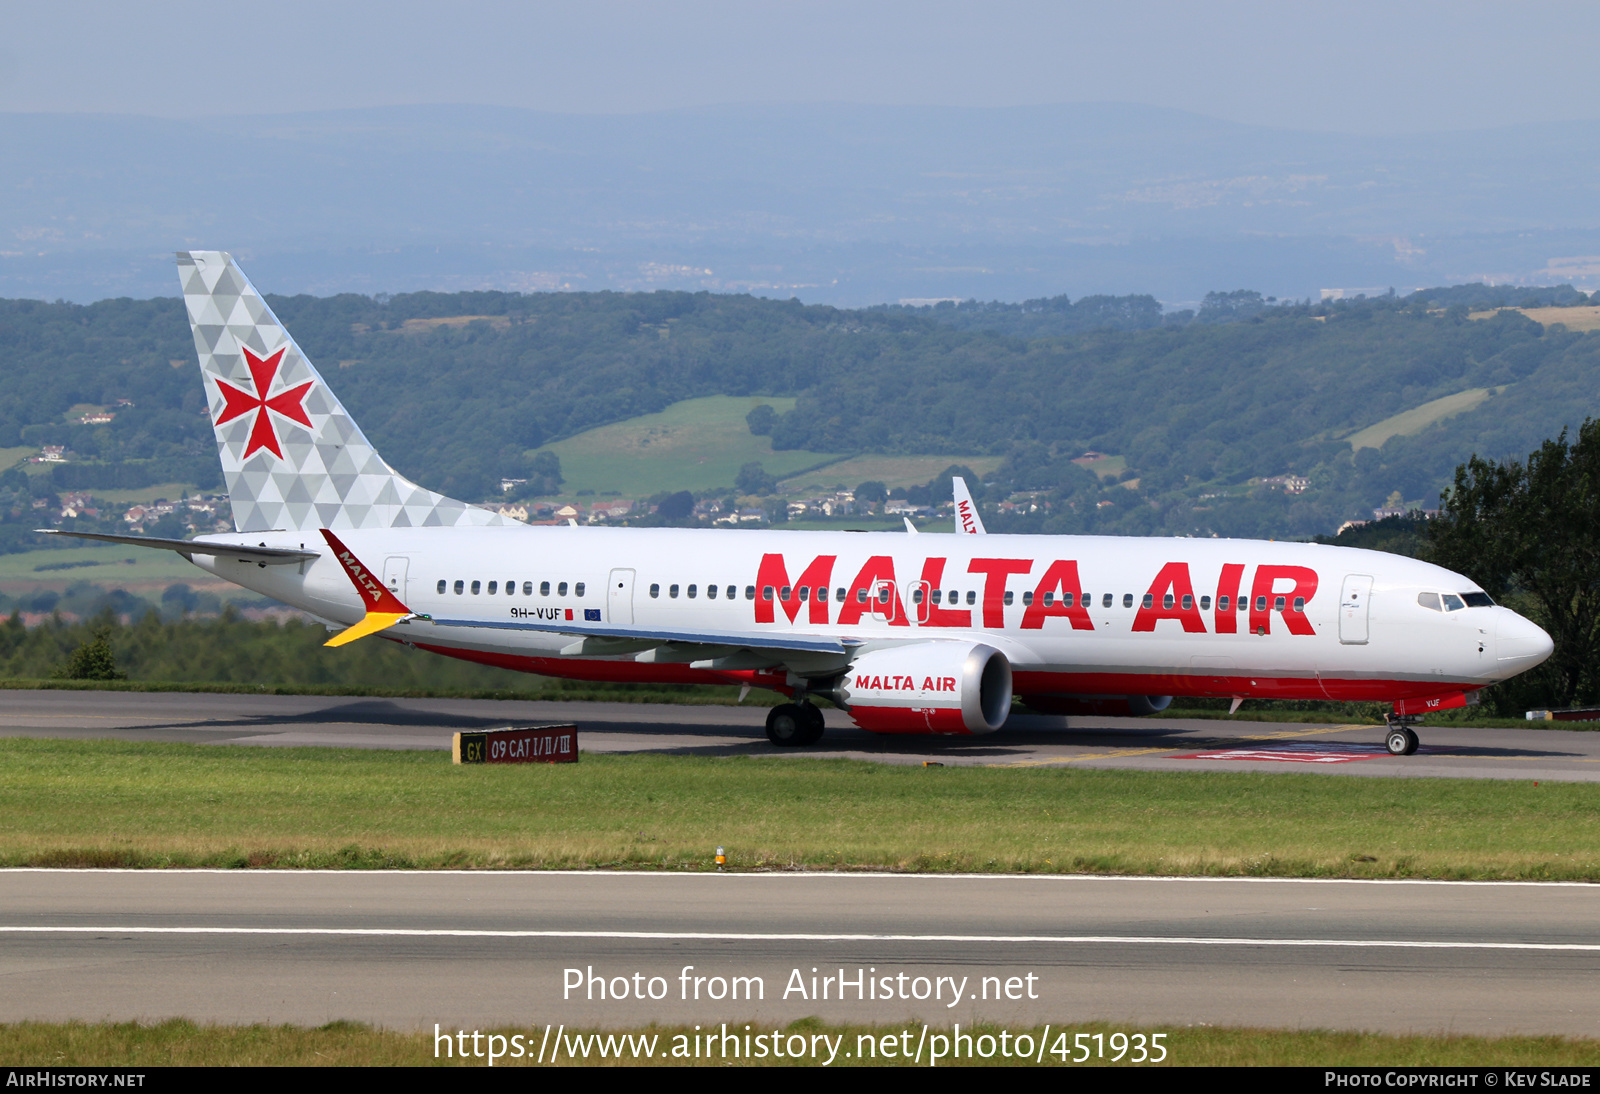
[(591, 615)]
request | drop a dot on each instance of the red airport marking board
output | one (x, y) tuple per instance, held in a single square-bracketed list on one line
[(557, 744)]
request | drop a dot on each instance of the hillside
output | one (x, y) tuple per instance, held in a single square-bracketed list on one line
[(1196, 409)]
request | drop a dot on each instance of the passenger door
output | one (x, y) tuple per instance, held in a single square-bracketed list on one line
[(1353, 607)]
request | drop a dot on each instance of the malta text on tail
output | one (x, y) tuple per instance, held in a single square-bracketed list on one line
[(293, 458)]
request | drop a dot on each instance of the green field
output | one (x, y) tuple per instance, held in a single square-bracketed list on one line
[(115, 567), (179, 1043), (9, 457), (1419, 418), (112, 803), (698, 444)]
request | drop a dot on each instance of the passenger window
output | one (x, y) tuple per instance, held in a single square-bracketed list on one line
[(494, 587), (527, 588), (805, 593), (459, 587), (1429, 601), (1127, 600), (733, 592), (861, 596), (577, 589), (1452, 602), (749, 592), (1049, 598), (1027, 599), (972, 597), (1205, 603), (655, 591), (561, 589), (692, 590), (1188, 602), (1261, 603), (838, 594), (938, 596), (544, 588), (711, 592), (766, 592), (1166, 600), (785, 593), (916, 595), (475, 587), (1008, 597), (1105, 601), (822, 594), (672, 591), (1278, 603), (511, 588), (441, 585), (1223, 603), (884, 593), (1299, 603), (1149, 600)]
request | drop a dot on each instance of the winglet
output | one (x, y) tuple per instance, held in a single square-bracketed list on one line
[(967, 519), (384, 608)]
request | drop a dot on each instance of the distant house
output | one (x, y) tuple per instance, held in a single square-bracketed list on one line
[(508, 485), (1292, 484), (752, 516), (568, 512), (514, 511), (100, 417), (50, 453), (134, 515)]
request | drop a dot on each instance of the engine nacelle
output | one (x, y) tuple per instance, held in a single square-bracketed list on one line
[(929, 687)]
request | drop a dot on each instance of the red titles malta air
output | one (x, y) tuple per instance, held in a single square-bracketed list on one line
[(908, 633)]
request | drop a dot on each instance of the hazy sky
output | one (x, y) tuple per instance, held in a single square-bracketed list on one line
[(1391, 66)]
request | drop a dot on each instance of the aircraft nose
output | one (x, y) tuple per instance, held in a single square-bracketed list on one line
[(1520, 643)]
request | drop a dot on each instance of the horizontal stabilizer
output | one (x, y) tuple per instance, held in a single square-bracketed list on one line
[(244, 552)]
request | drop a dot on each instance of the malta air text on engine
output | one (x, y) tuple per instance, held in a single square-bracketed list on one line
[(980, 595)]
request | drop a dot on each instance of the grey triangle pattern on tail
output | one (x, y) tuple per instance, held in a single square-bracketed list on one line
[(329, 475)]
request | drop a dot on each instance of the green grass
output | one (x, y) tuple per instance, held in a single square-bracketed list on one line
[(697, 444), (181, 1043), (106, 803), (1419, 418), (112, 568), (10, 457)]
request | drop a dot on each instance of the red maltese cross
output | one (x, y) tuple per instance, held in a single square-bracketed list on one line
[(287, 403)]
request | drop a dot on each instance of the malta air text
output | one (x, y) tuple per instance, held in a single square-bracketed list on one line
[(1257, 600)]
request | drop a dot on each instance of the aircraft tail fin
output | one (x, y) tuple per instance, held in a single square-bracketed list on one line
[(292, 457), (967, 519)]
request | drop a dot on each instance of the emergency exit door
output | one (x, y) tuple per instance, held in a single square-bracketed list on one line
[(1353, 608), (394, 575)]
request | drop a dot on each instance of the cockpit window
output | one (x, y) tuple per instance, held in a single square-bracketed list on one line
[(1429, 601), (1453, 603), (1477, 600)]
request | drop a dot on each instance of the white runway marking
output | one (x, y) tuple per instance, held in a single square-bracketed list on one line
[(739, 936)]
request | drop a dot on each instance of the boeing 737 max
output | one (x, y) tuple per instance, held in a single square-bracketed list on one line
[(908, 633)]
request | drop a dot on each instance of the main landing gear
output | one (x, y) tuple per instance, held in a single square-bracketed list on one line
[(1401, 739), (794, 724)]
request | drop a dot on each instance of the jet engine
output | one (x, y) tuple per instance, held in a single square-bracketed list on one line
[(928, 687)]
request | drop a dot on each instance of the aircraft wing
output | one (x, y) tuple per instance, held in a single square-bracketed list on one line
[(262, 555)]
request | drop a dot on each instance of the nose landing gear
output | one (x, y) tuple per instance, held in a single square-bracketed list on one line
[(1401, 739), (791, 725)]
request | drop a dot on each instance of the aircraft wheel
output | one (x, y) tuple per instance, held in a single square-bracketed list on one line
[(786, 725), (814, 724), (1400, 741), (1412, 741)]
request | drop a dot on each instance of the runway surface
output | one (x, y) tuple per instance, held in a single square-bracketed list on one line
[(465, 950), (1159, 744)]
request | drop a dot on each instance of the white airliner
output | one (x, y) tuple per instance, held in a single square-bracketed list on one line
[(908, 633)]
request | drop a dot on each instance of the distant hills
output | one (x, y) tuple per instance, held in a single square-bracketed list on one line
[(834, 203), (1371, 402)]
